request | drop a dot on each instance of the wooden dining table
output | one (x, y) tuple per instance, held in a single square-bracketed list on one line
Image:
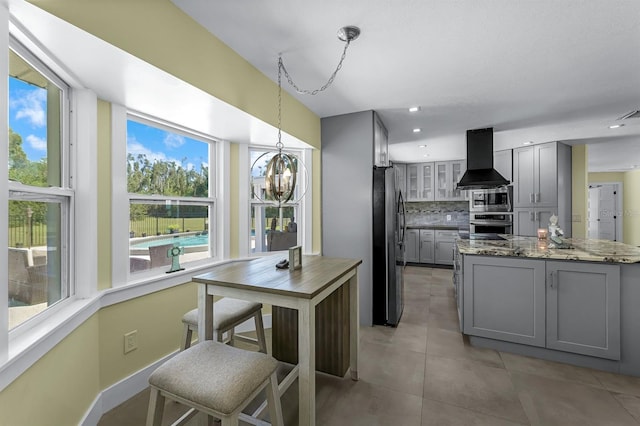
[(302, 289)]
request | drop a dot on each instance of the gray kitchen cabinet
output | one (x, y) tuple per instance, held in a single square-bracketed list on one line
[(503, 163), (420, 182), (446, 175), (427, 245), (444, 248), (504, 299), (535, 170), (380, 143), (542, 180), (527, 221), (583, 308), (401, 178), (412, 245)]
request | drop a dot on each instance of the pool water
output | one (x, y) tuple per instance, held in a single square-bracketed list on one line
[(185, 241)]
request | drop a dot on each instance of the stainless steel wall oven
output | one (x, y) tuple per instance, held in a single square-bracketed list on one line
[(491, 223)]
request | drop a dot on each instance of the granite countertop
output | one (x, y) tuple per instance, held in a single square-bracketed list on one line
[(580, 249)]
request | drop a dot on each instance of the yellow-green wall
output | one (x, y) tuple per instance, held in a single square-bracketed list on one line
[(579, 191), (631, 207), (61, 386), (156, 317), (104, 201), (161, 34), (64, 382)]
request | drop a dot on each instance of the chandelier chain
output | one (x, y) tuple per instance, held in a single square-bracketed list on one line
[(279, 144), (315, 91)]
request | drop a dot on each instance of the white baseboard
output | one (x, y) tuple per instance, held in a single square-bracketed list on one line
[(130, 386), (119, 392)]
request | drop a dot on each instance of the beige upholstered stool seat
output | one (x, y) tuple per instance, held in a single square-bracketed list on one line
[(217, 379), (228, 314)]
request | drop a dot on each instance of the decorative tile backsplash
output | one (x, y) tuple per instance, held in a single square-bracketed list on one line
[(426, 212)]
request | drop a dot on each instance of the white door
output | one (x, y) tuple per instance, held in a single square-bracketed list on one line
[(594, 225), (603, 211)]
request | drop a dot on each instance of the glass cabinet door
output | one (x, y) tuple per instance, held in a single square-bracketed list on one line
[(457, 170), (441, 181), (412, 181), (427, 181)]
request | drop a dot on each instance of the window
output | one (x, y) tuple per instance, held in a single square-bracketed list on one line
[(272, 228), (40, 197), (171, 200)]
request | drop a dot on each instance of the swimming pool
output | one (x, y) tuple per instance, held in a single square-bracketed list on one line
[(183, 241)]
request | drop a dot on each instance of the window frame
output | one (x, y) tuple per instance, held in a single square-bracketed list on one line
[(65, 194), (120, 246), (303, 205)]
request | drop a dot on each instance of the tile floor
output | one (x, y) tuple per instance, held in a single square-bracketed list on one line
[(424, 372)]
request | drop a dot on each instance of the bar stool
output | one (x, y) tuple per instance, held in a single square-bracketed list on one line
[(215, 379), (228, 313)]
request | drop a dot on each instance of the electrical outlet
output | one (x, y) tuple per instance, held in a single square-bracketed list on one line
[(130, 341), (576, 218), (448, 218)]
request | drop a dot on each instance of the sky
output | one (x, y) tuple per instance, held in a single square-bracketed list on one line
[(27, 117), (158, 144)]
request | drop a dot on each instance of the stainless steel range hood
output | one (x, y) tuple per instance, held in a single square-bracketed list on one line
[(480, 173)]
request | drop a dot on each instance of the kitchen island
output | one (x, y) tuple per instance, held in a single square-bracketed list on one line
[(578, 304)]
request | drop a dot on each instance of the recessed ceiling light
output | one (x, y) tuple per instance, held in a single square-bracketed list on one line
[(615, 126), (422, 146), (414, 109), (417, 130), (527, 143)]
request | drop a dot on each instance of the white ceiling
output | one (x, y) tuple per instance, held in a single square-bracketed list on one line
[(537, 70)]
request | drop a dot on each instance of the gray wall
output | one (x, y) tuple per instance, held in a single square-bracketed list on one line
[(347, 187)]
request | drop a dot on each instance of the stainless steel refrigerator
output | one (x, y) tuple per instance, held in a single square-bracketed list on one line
[(389, 228)]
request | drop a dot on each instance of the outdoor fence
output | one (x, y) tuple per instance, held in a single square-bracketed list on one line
[(149, 226), (24, 232)]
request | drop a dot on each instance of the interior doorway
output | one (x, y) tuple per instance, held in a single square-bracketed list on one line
[(605, 211)]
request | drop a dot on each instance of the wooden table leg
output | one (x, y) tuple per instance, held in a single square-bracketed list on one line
[(354, 326), (205, 313), (307, 363)]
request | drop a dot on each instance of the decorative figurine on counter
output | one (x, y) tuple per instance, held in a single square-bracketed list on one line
[(273, 224), (554, 229), (293, 226)]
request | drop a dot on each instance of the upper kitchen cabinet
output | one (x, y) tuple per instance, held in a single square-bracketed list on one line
[(542, 180), (447, 175), (401, 178), (420, 182), (380, 142), (503, 163)]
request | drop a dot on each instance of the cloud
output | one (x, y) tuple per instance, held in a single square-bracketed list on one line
[(136, 148), (30, 105), (172, 140), (37, 143)]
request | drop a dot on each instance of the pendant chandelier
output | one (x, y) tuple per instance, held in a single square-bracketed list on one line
[(281, 172)]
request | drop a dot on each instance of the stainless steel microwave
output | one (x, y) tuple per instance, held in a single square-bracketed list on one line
[(491, 200)]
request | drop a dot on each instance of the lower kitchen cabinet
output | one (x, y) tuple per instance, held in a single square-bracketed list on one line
[(526, 221), (504, 299), (583, 308), (445, 245), (430, 246), (412, 245), (566, 306), (426, 246)]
